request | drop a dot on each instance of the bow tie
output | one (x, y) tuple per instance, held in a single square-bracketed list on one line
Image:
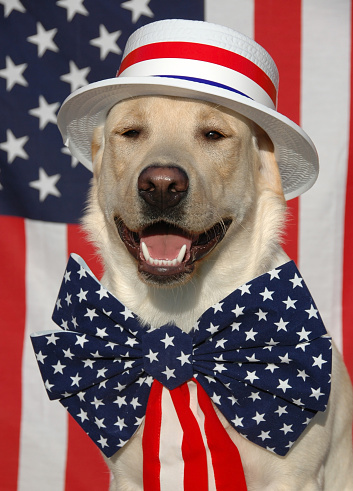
[(262, 355)]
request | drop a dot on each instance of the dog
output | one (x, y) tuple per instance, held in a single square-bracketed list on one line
[(183, 210), (192, 167)]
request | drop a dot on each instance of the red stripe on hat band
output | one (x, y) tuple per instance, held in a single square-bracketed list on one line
[(201, 52)]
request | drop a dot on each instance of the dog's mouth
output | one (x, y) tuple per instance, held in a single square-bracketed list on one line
[(166, 252)]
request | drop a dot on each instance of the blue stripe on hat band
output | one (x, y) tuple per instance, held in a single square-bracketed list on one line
[(208, 82)]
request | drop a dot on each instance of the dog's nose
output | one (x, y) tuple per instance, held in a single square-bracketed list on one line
[(163, 186)]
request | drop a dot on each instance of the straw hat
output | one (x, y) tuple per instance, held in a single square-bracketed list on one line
[(202, 61)]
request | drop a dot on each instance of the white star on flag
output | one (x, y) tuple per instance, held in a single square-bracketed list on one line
[(183, 358), (76, 379), (91, 313), (127, 313), (312, 312), (72, 7), (76, 76), (245, 289), (10, 5), (274, 273), (284, 385), (52, 339), (14, 146), (303, 334), (138, 8), (259, 417), (83, 415), (106, 42), (121, 423), (99, 422), (152, 356), (237, 421), (103, 442), (318, 361), (97, 402), (290, 304), (281, 325), (44, 40), (169, 373), (45, 112), (212, 329), (217, 307), (238, 310), (168, 341), (81, 340), (102, 292), (264, 435), (296, 281), (251, 376), (266, 294), (82, 295), (40, 357), (59, 367), (13, 74)]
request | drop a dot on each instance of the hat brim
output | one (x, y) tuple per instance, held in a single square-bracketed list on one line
[(87, 108)]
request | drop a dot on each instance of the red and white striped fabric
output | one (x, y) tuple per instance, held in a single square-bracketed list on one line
[(193, 450), (311, 43)]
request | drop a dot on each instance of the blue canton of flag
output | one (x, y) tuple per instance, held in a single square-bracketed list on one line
[(48, 50), (262, 355)]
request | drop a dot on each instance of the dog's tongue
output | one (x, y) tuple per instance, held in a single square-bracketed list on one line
[(165, 245)]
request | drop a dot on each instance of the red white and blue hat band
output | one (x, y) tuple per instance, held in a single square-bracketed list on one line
[(201, 63)]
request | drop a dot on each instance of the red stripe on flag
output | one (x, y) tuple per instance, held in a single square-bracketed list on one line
[(347, 293), (278, 30), (85, 467), (13, 313), (201, 52), (150, 439), (226, 459), (193, 448)]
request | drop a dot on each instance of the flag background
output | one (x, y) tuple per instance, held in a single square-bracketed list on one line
[(49, 48)]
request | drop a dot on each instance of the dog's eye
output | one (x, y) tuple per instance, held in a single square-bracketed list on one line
[(213, 135), (130, 133)]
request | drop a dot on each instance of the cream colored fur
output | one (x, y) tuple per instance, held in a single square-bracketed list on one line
[(233, 177)]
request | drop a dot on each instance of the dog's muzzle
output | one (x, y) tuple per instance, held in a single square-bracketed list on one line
[(164, 251)]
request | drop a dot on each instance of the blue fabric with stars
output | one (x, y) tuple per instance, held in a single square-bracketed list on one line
[(262, 354)]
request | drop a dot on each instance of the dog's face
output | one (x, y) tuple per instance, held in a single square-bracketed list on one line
[(174, 178)]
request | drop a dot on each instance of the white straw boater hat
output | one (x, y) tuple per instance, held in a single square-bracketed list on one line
[(202, 61)]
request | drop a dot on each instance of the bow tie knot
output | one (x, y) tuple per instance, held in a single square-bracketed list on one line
[(167, 355)]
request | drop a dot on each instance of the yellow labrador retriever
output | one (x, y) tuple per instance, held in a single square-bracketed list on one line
[(191, 165), (186, 205)]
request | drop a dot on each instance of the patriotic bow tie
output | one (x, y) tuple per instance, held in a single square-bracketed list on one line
[(262, 355)]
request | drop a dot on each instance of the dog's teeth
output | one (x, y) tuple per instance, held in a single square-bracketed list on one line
[(145, 251), (181, 254), (162, 262)]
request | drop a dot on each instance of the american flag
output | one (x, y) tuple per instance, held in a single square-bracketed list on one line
[(50, 48)]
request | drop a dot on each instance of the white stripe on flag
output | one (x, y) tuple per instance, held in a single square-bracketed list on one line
[(43, 444), (200, 417), (237, 14), (325, 104), (170, 454)]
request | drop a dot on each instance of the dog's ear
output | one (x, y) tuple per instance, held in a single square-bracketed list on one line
[(97, 147), (268, 176)]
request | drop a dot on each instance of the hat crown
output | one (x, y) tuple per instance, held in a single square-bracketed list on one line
[(203, 52)]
